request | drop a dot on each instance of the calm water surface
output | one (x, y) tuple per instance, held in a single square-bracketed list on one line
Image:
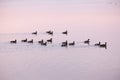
[(23, 61)]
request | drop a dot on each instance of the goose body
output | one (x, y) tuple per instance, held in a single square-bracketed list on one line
[(72, 44), (35, 33), (64, 44), (98, 44), (25, 40), (65, 32), (31, 41), (50, 40), (104, 45), (44, 43), (87, 41), (15, 41), (49, 32), (40, 41)]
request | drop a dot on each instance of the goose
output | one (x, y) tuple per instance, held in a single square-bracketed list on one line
[(25, 40), (97, 44), (65, 32), (15, 41), (87, 41), (64, 44), (34, 32), (44, 43), (40, 41), (50, 40), (72, 44), (31, 41), (49, 32), (104, 45)]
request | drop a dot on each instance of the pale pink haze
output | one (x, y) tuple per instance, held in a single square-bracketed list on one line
[(25, 16)]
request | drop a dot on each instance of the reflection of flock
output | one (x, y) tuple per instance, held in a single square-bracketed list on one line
[(63, 44)]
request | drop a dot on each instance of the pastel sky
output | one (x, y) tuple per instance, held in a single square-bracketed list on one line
[(29, 15)]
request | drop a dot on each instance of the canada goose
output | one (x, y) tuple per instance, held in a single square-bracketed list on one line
[(65, 32), (25, 40), (72, 44), (97, 44), (64, 44), (50, 40), (40, 41), (15, 41), (87, 41), (34, 32), (44, 43), (49, 32), (31, 41), (104, 45)]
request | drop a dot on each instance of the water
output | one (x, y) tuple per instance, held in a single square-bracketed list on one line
[(98, 20), (23, 61)]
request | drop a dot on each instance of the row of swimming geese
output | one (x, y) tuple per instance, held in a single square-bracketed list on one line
[(63, 44), (50, 32)]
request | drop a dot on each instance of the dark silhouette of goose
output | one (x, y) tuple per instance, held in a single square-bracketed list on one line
[(87, 41), (31, 41), (44, 43), (34, 32), (64, 44), (40, 41), (97, 44), (25, 40), (65, 32), (50, 40), (72, 44), (49, 32), (104, 45), (15, 41)]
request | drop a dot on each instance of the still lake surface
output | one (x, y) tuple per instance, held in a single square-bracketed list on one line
[(23, 61)]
